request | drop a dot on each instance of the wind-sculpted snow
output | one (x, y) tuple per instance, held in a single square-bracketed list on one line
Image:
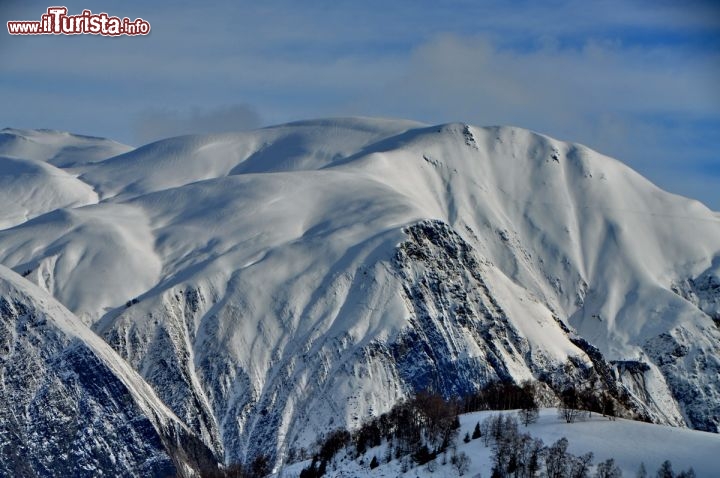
[(272, 285), (31, 188), (179, 161), (37, 172), (58, 148)]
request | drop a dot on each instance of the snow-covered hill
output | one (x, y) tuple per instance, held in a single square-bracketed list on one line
[(270, 285), (629, 443), (36, 171), (61, 149)]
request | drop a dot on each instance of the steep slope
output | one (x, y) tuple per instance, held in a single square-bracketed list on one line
[(273, 284), (72, 406), (91, 258)]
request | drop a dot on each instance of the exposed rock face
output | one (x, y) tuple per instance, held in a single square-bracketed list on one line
[(66, 411)]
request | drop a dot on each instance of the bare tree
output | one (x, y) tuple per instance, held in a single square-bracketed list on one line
[(608, 469), (461, 462), (556, 459), (569, 405), (608, 406), (580, 466)]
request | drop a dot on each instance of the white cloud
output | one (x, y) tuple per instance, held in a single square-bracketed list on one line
[(157, 124)]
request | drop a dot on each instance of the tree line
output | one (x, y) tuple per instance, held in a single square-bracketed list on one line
[(416, 430), (423, 430)]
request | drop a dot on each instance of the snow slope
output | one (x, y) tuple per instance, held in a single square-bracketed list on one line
[(32, 188), (270, 285), (627, 442), (59, 148), (71, 405), (36, 174)]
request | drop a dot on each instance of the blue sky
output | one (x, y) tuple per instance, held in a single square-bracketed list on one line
[(635, 80)]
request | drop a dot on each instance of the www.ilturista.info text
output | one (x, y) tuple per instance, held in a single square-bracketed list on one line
[(57, 22)]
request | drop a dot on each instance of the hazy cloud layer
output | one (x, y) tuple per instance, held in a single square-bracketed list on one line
[(152, 125), (633, 79), (632, 103)]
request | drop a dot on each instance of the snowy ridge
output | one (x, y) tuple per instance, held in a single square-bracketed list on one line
[(59, 148), (274, 284), (36, 188), (71, 405), (36, 174)]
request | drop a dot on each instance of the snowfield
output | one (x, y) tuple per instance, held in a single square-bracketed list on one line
[(275, 284)]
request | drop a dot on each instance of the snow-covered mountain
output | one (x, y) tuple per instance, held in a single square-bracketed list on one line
[(71, 406), (273, 284)]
